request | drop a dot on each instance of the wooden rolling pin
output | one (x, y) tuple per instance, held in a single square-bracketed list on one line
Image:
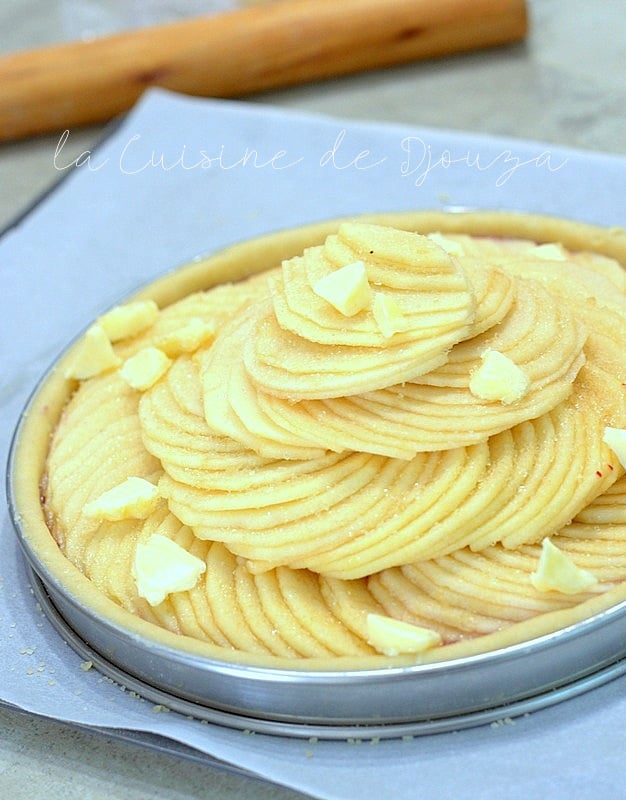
[(240, 52)]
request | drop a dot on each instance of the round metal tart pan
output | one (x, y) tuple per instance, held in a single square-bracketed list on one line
[(568, 654), (302, 728)]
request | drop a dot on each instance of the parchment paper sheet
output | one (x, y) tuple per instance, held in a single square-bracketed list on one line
[(181, 177)]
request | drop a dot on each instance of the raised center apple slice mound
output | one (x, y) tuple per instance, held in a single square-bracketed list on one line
[(437, 411), (377, 307)]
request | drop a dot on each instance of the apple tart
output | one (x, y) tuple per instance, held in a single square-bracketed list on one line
[(400, 441)]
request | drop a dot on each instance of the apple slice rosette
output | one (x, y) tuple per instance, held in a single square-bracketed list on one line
[(395, 314), (539, 338), (231, 400), (467, 594), (189, 323), (98, 424), (351, 514), (174, 430)]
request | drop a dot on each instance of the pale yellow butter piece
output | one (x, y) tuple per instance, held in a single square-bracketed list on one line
[(134, 498), (451, 247), (144, 369), (187, 339), (161, 567), (94, 355), (556, 572), (616, 440), (393, 637), (129, 319), (549, 252), (498, 378), (388, 314), (346, 289)]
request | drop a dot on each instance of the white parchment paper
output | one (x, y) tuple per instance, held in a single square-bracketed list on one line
[(181, 177)]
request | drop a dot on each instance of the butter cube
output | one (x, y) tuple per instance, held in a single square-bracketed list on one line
[(161, 567), (134, 498), (93, 356), (549, 252), (449, 245), (144, 369), (616, 440), (498, 378), (388, 314), (556, 572), (392, 636), (188, 338), (346, 289), (129, 319)]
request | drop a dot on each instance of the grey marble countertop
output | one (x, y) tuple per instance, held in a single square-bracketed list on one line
[(564, 85)]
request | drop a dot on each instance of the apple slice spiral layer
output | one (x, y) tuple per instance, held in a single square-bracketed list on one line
[(323, 466)]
